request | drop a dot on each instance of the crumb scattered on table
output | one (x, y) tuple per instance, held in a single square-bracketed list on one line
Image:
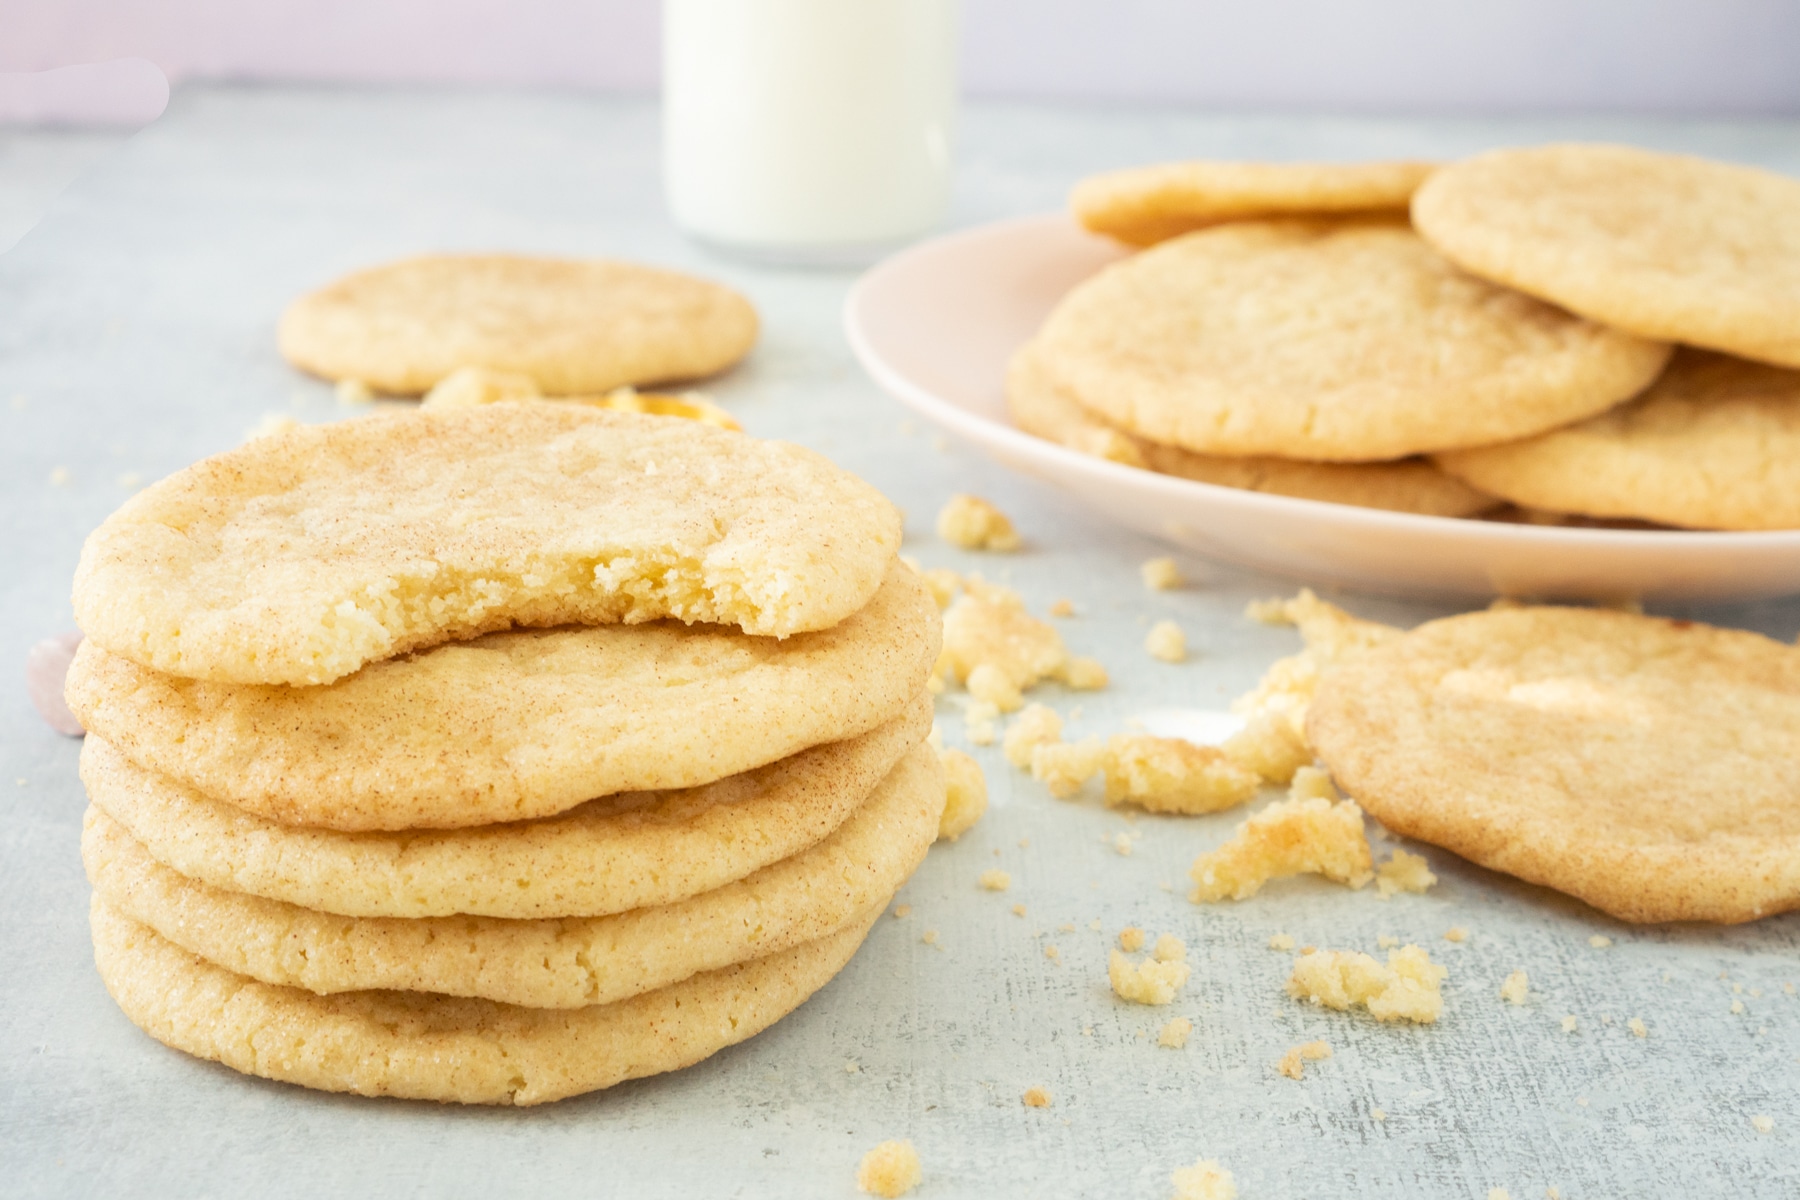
[(965, 797), (890, 1169), (1151, 981), (972, 523), (1516, 988), (1636, 1025), (1300, 835), (1174, 1035), (1293, 1063), (1205, 1180), (1282, 941), (1403, 872), (1405, 989), (1762, 1123), (902, 910), (1036, 1097), (995, 880), (1161, 574), (1599, 941), (1166, 643), (1456, 933), (1131, 939)]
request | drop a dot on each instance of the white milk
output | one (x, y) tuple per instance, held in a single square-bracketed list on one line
[(808, 131)]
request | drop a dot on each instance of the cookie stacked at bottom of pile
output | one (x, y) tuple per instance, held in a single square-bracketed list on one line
[(513, 868)]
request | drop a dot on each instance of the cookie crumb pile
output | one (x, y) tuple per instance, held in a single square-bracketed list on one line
[(500, 753)]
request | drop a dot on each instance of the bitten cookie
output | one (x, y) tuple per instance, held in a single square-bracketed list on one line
[(1665, 246), (1327, 340), (299, 557), (1645, 766), (573, 326)]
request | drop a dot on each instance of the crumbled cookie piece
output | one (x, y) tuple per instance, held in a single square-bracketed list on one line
[(1301, 835), (1456, 933), (1169, 948), (1131, 939), (978, 722), (1569, 1023), (1378, 1114), (1170, 775), (1637, 1027), (902, 910), (1403, 872), (1151, 981), (1161, 574), (1018, 910), (1122, 843), (1205, 1180), (1499, 1193), (890, 1169), (990, 685), (973, 524), (941, 582), (1062, 606), (1762, 1123), (1036, 1097), (1599, 941), (1052, 953), (1331, 635), (1037, 726), (1174, 1035), (1270, 745), (1406, 989), (995, 880), (1516, 988), (1282, 941), (1166, 642), (1084, 675), (355, 391), (929, 937), (1063, 767), (965, 795), (1293, 1063), (472, 387), (1737, 1008), (988, 624)]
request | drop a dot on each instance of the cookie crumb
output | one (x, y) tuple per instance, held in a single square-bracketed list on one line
[(1018, 910), (1166, 642), (1551, 1193), (1173, 775), (971, 523), (1516, 988), (1131, 939), (1309, 835), (1062, 607), (1737, 1008), (902, 910), (990, 685), (1269, 744), (1378, 1114), (942, 583), (131, 480), (1083, 675), (1568, 1023), (1636, 1025), (1122, 843), (1161, 574), (1499, 1194), (1064, 767), (1094, 925), (1406, 989), (1282, 941), (852, 1067), (1599, 941), (1036, 1097), (1293, 1063), (1151, 981), (1456, 933), (1205, 1180), (1403, 872), (1174, 1035), (1762, 1123), (1582, 1101), (1169, 948), (891, 1169), (1038, 725), (995, 880), (965, 796), (354, 391), (1052, 953), (1387, 941)]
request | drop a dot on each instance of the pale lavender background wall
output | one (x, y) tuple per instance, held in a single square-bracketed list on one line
[(1683, 56)]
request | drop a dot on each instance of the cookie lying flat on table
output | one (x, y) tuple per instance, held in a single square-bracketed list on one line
[(1144, 205), (621, 852), (447, 1048), (1714, 444), (1648, 767), (520, 724), (1327, 340), (300, 557), (572, 325), (1407, 485), (1663, 245), (567, 963)]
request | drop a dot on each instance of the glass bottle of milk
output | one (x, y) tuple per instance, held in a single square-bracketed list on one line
[(810, 132)]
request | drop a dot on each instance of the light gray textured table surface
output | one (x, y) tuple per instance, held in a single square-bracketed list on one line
[(136, 334)]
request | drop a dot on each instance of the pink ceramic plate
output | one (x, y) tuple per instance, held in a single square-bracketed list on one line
[(935, 325)]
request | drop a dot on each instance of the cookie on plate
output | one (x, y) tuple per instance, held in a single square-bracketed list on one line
[(616, 853), (549, 963), (1409, 485), (1144, 205), (1714, 444), (572, 325), (299, 557), (1645, 766), (448, 1048), (1327, 340), (1665, 246), (521, 724)]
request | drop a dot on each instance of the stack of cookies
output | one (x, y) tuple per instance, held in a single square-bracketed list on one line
[(496, 754), (1444, 341)]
